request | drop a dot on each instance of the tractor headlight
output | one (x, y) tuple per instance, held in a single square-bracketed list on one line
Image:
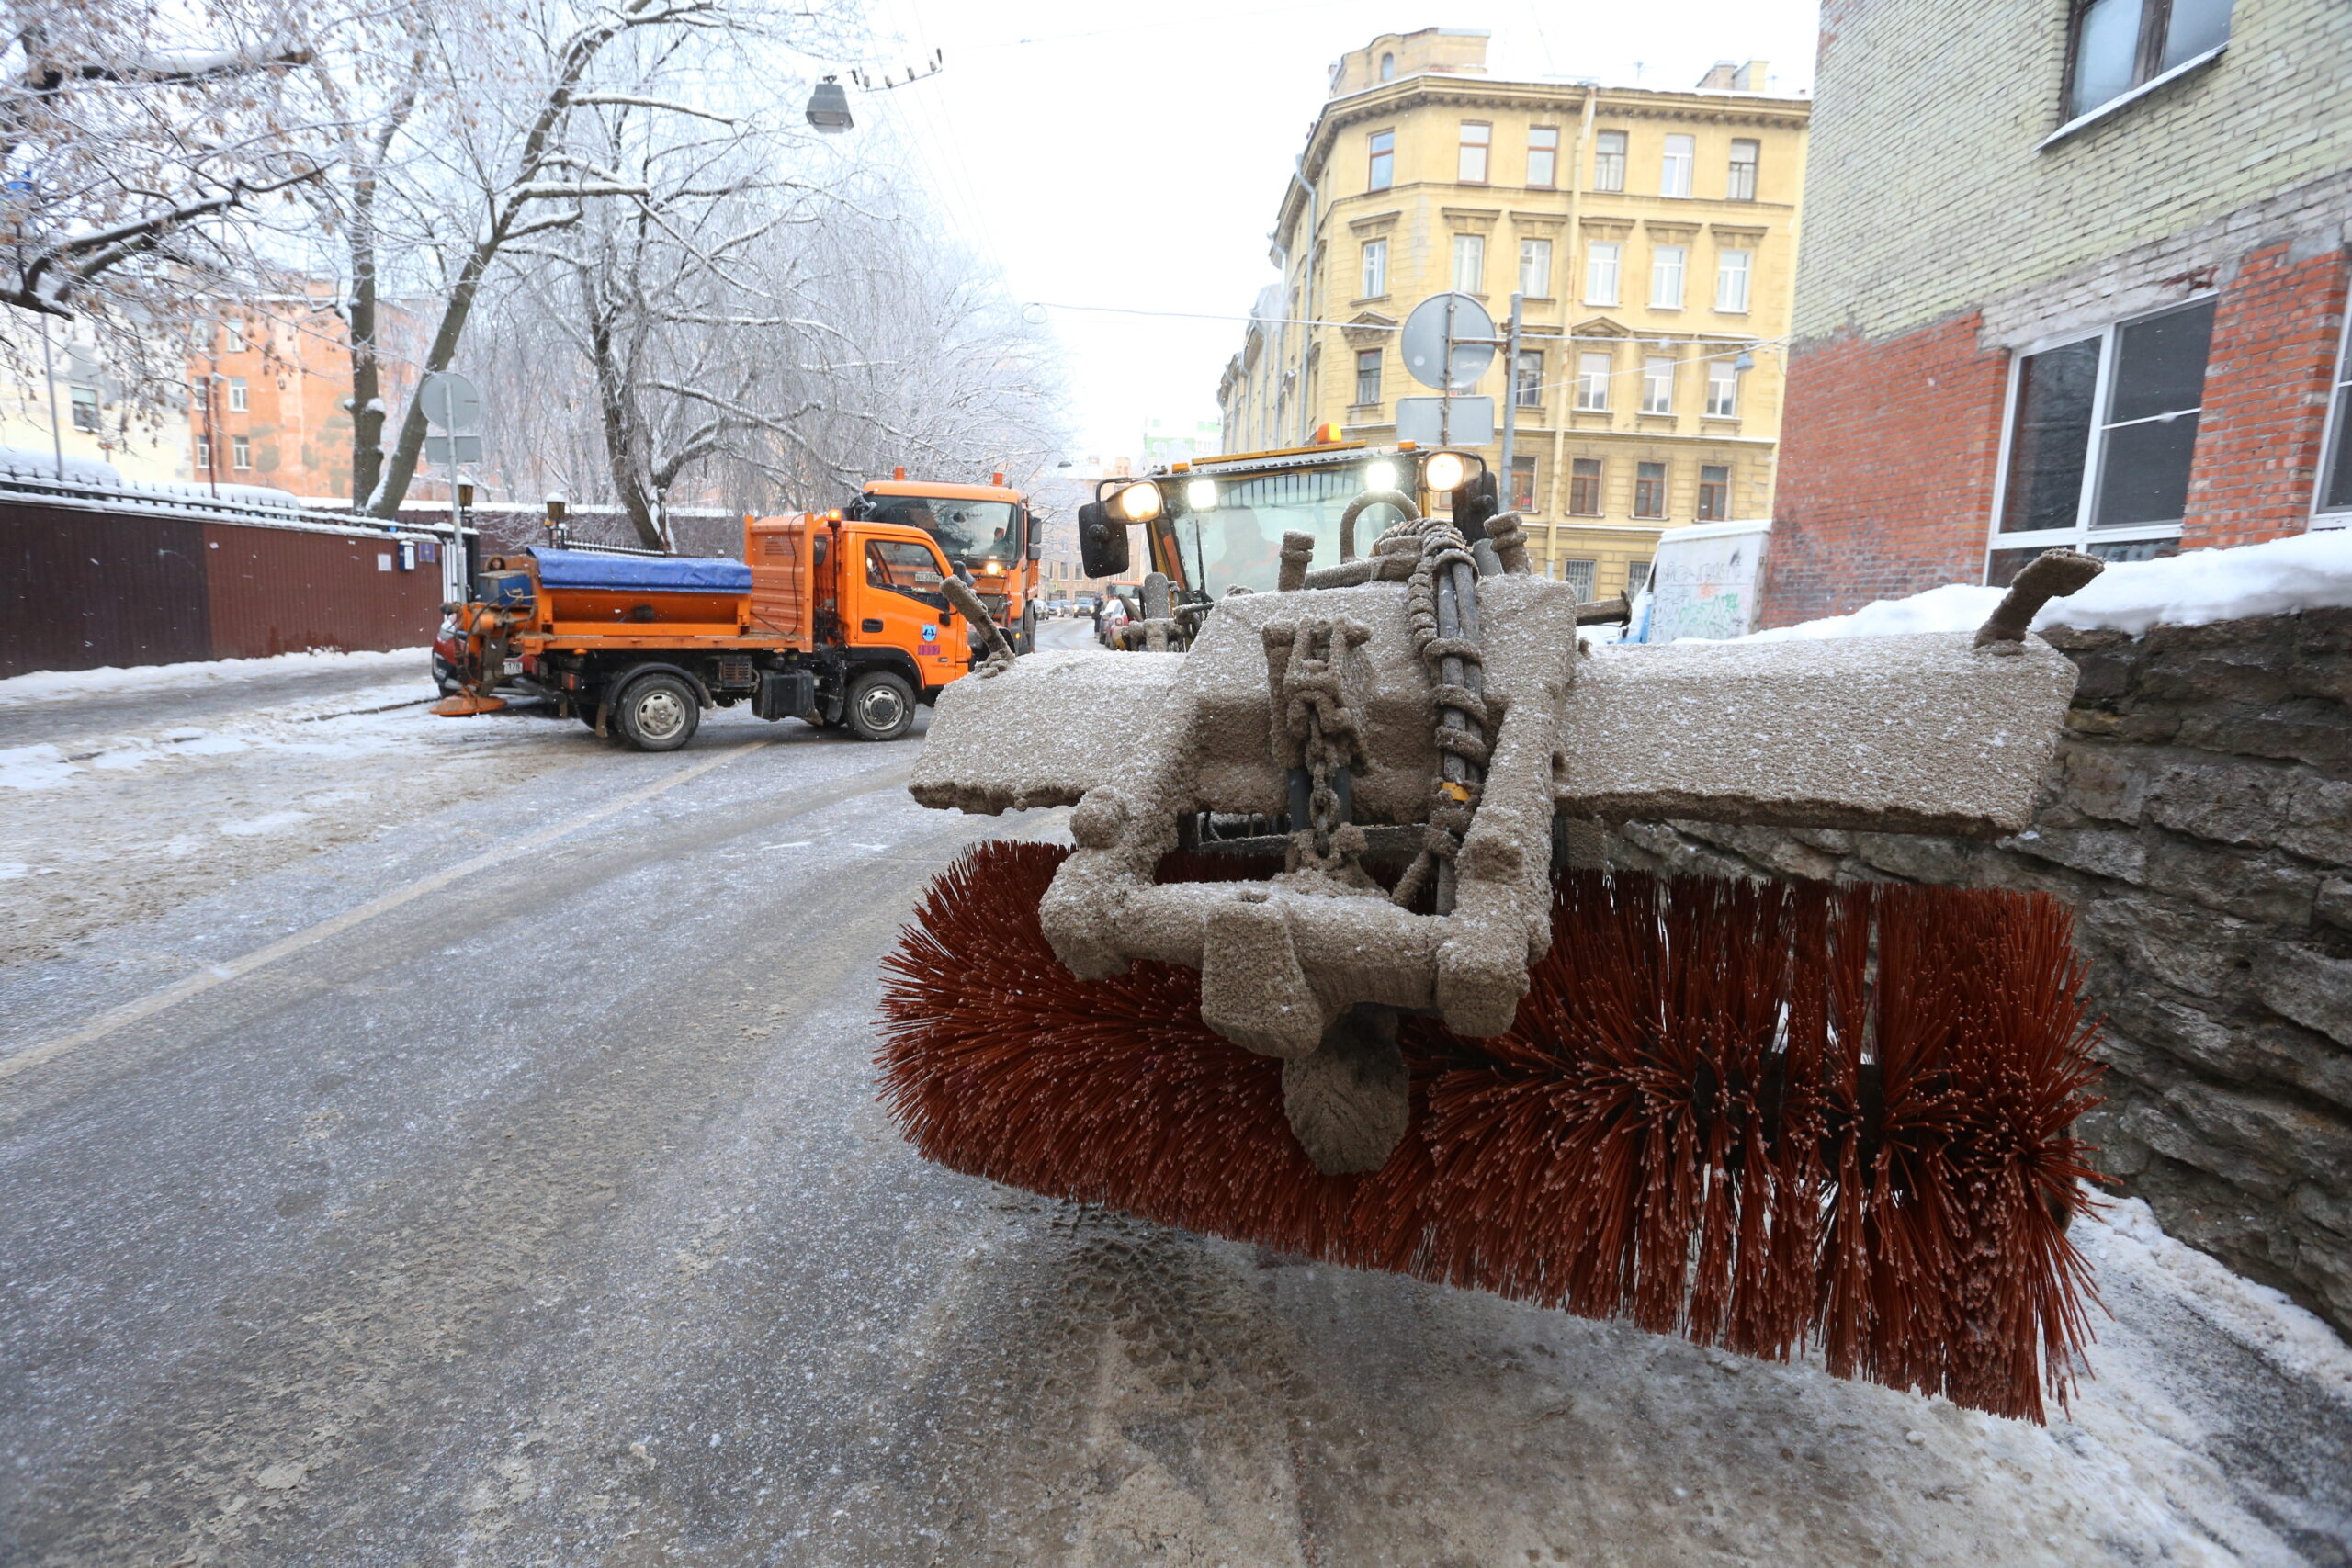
[(1445, 470), (1201, 495), (1380, 475), (1138, 503)]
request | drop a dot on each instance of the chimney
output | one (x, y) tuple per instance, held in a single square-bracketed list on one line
[(1723, 74), (1756, 76)]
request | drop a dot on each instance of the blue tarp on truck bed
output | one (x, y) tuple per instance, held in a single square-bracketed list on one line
[(642, 574)]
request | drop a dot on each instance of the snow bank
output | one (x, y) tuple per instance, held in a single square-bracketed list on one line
[(2306, 572), (51, 685)]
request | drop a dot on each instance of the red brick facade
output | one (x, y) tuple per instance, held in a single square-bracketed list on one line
[(2276, 330), (1888, 452), (1891, 449)]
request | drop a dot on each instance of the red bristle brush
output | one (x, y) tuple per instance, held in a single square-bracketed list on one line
[(1762, 1115)]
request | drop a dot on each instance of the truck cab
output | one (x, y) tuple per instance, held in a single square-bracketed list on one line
[(987, 530), (1216, 524)]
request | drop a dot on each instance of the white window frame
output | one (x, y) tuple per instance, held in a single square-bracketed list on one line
[(240, 453), (1535, 268), (1604, 257), (1735, 276), (1609, 175), (1474, 247), (2334, 432), (2081, 536), (1375, 269), (1677, 164), (1722, 376), (80, 398), (1592, 387), (237, 402), (1657, 383), (1662, 298), (1379, 374)]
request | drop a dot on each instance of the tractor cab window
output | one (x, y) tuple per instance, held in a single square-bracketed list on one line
[(904, 569), (1237, 541), (974, 534)]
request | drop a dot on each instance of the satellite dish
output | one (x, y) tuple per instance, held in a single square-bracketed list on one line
[(449, 400), (1423, 342)]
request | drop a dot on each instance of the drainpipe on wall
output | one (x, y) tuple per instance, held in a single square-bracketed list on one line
[(1572, 293), (1306, 297)]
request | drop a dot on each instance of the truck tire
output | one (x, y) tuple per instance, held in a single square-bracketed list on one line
[(881, 706), (658, 712), (1028, 644)]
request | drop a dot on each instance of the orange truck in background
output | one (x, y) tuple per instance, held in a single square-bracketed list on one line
[(832, 620), (986, 529)]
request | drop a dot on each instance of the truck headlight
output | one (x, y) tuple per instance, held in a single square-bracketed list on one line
[(1201, 495), (1445, 470), (1380, 475), (1138, 503)]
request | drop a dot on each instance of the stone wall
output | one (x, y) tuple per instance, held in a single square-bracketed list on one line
[(2199, 820)]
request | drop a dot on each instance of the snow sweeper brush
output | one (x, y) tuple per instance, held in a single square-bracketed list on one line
[(1396, 1033)]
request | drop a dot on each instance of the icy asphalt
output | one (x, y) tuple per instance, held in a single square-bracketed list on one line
[(532, 1206)]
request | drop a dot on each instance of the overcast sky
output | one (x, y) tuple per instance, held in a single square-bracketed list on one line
[(1113, 155)]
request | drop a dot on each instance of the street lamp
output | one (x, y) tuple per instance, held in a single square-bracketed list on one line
[(828, 107)]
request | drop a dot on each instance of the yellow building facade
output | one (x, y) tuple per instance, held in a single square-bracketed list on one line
[(1652, 236)]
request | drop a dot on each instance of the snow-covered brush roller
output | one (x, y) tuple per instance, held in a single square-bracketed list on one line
[(1328, 970)]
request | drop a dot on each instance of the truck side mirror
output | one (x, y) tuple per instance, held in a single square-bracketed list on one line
[(1474, 504), (1102, 543)]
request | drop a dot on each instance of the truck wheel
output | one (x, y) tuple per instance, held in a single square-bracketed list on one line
[(658, 713), (1028, 630), (881, 706)]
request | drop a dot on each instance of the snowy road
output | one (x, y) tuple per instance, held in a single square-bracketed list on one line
[(480, 1164)]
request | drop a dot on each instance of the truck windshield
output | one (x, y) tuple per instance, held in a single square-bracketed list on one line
[(1239, 542), (970, 533)]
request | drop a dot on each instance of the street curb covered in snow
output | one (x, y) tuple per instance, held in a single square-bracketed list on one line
[(58, 686)]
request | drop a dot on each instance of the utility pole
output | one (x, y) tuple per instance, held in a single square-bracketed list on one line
[(1510, 398), (48, 373)]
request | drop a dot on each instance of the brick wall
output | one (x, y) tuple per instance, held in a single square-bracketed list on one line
[(2198, 820), (2275, 331), (1887, 468)]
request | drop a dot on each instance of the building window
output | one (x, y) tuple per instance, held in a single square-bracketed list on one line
[(1609, 160), (235, 332), (2122, 44), (1469, 263), (1714, 492), (1542, 156), (85, 409), (1375, 268), (237, 394), (204, 453), (1674, 173), (1389, 68), (1584, 487), (1522, 484), (1368, 375), (1579, 575), (1470, 163), (1535, 268), (199, 337), (1384, 160), (1732, 271), (2102, 431), (1592, 382), (1649, 489), (1657, 385), (241, 452), (1741, 185), (1666, 277), (2336, 475), (1723, 390), (1637, 577), (1527, 386), (1600, 273)]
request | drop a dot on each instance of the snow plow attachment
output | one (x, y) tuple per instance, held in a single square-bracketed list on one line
[(1394, 1033)]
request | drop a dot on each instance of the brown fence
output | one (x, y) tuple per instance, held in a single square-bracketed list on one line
[(89, 579)]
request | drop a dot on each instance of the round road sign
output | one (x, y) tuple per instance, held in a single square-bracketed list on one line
[(1423, 342), (449, 400)]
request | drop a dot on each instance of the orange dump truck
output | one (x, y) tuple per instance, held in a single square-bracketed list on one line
[(830, 620), (988, 530)]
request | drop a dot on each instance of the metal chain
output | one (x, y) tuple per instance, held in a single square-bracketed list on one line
[(1441, 604)]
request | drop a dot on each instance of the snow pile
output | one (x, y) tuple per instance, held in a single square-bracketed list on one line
[(52, 686), (2306, 572)]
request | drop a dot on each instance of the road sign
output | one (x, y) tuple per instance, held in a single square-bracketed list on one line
[(450, 401), (448, 451), (1470, 423), (1423, 342)]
